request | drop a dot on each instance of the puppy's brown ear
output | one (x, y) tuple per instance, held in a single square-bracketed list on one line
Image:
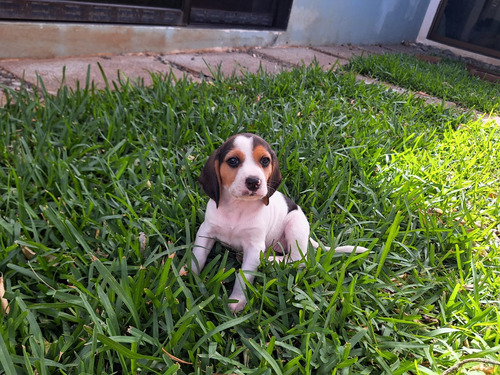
[(210, 178), (275, 180)]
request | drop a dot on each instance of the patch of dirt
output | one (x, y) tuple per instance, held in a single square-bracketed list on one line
[(430, 50), (10, 81)]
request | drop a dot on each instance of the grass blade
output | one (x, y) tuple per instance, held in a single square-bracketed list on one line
[(6, 359), (393, 232)]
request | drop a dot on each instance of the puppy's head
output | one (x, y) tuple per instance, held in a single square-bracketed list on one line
[(245, 167)]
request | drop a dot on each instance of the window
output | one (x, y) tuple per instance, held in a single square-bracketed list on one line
[(262, 14), (470, 25)]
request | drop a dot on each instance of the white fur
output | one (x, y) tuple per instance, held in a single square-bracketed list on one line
[(248, 168), (243, 222)]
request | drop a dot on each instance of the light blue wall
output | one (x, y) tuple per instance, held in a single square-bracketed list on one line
[(316, 22), (312, 22)]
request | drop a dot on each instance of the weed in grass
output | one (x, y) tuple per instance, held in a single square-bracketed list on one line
[(99, 187)]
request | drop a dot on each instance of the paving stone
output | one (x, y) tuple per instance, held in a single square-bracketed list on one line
[(299, 55), (373, 49), (136, 66), (488, 118), (401, 48), (209, 64), (73, 70), (344, 51), (388, 86)]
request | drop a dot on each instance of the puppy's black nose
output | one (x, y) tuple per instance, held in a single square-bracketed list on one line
[(252, 183)]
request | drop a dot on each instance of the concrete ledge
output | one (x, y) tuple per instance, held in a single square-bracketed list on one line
[(47, 40)]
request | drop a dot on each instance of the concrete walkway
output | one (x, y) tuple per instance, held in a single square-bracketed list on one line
[(195, 66)]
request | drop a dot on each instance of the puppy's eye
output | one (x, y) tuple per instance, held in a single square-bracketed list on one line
[(265, 161), (233, 162)]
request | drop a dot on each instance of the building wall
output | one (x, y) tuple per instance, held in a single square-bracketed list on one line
[(312, 22), (317, 22)]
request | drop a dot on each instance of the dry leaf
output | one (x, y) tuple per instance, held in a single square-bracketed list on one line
[(183, 271), (435, 210), (173, 358), (488, 370), (142, 241), (3, 301), (28, 253)]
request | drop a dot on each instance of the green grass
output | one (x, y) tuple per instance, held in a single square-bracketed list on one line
[(101, 187), (447, 79)]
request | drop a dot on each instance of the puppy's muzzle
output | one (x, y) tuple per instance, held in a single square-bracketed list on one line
[(252, 183)]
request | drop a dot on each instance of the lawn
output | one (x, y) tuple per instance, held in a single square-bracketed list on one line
[(448, 79), (99, 205)]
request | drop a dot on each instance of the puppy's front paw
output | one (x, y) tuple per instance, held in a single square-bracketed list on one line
[(276, 258), (237, 295), (237, 306)]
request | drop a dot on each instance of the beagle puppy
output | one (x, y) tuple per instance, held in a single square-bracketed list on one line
[(246, 213)]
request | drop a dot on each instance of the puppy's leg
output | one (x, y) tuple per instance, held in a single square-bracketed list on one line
[(251, 261), (296, 236), (202, 246)]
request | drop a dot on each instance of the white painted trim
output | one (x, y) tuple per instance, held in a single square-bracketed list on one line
[(427, 22)]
